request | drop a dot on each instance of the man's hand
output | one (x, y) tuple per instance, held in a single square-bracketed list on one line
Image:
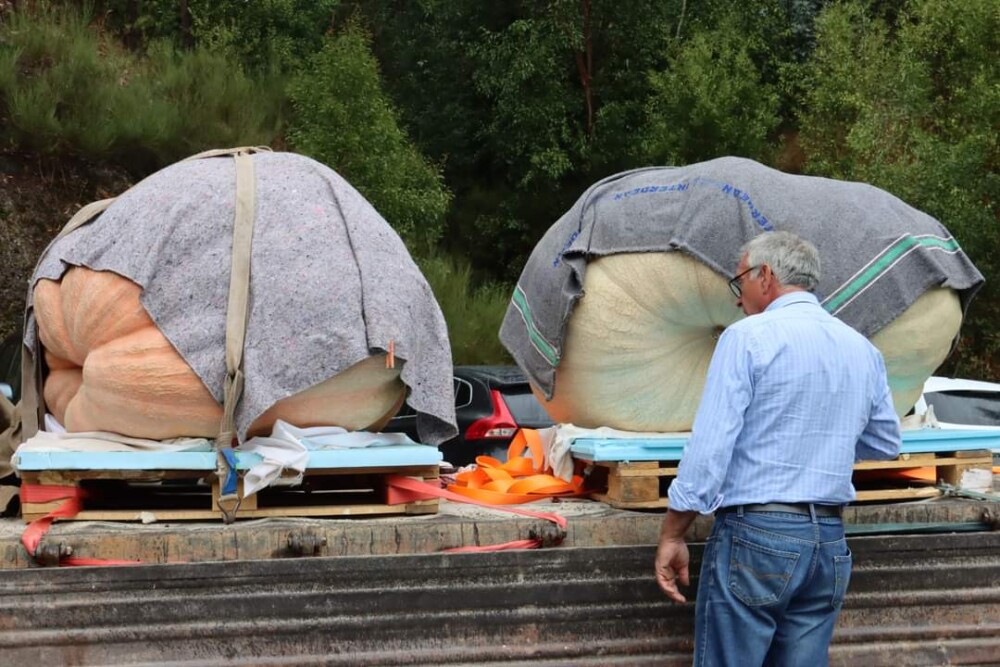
[(672, 560), (672, 555)]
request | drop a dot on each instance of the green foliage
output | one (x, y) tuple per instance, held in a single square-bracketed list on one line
[(914, 108), (263, 33), (565, 85), (473, 313), (53, 79), (712, 100), (344, 119), (523, 103), (66, 89), (260, 34), (523, 70), (200, 99)]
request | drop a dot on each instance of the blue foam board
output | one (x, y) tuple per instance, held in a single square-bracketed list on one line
[(671, 448), (366, 457)]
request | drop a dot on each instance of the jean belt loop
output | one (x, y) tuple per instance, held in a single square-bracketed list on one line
[(812, 513), (739, 511)]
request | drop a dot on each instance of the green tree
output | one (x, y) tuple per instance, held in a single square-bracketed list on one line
[(343, 118), (524, 104), (712, 99), (913, 106)]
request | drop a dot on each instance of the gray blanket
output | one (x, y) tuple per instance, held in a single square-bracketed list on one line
[(331, 282), (879, 254)]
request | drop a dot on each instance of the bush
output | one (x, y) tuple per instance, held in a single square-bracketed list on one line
[(66, 89), (200, 99), (473, 314), (343, 118), (262, 35)]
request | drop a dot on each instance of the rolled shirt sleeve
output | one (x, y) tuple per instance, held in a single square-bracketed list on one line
[(729, 388), (880, 440)]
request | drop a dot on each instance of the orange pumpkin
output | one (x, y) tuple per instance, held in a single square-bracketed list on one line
[(111, 369)]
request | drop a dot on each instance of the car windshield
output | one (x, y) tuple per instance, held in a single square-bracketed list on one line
[(975, 408), (526, 408)]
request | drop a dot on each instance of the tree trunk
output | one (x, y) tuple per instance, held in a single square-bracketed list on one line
[(187, 37), (132, 37), (585, 67)]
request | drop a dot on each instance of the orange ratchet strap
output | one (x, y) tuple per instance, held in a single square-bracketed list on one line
[(519, 480), (73, 497), (497, 485)]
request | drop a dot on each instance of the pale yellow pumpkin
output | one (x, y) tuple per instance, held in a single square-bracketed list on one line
[(111, 369), (363, 397), (639, 342)]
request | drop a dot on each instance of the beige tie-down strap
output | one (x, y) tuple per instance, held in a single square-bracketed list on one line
[(237, 309), (32, 405)]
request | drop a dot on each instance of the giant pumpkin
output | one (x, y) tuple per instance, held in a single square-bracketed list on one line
[(129, 312), (639, 343), (617, 311), (110, 369)]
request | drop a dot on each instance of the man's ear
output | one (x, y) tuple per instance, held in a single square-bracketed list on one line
[(766, 277)]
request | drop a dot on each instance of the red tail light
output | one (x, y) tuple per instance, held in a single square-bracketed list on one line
[(498, 425)]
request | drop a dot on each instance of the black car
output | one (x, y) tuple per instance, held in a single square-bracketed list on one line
[(491, 403)]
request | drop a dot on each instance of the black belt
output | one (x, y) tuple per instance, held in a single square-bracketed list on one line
[(791, 508)]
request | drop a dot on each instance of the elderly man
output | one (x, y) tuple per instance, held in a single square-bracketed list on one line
[(793, 397)]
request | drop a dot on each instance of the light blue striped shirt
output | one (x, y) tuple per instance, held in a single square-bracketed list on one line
[(792, 399)]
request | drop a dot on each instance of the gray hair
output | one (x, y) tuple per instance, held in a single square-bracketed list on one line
[(793, 260)]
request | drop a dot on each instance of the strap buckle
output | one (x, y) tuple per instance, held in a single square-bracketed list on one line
[(228, 475)]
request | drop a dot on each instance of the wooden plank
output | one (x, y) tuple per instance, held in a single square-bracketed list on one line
[(923, 462), (408, 471), (631, 465), (974, 454), (40, 508), (658, 472), (956, 474), (416, 507), (249, 503), (630, 505), (904, 461), (68, 477), (135, 515), (898, 494), (338, 510), (634, 489)]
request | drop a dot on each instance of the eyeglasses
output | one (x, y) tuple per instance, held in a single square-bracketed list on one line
[(736, 284)]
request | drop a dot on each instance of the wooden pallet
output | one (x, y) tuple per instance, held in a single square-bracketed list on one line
[(179, 495), (913, 476), (643, 484)]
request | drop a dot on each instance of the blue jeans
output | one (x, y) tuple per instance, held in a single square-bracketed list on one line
[(771, 587)]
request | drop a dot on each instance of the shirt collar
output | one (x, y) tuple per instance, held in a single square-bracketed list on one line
[(797, 296)]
